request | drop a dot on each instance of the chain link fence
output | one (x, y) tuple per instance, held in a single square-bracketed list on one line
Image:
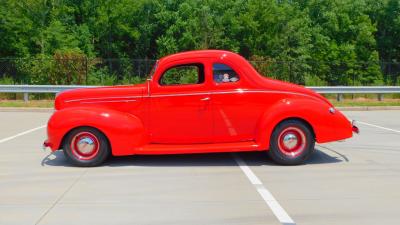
[(97, 71), (332, 73), (81, 71)]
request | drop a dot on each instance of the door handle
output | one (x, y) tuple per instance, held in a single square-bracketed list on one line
[(205, 99)]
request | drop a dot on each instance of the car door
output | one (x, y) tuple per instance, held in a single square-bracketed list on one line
[(180, 105)]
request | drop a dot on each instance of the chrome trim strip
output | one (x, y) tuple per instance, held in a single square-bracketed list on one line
[(107, 101), (103, 98), (226, 92), (241, 91), (177, 95)]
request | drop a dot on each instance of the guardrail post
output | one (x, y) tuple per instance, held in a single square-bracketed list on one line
[(26, 97), (380, 97), (339, 97)]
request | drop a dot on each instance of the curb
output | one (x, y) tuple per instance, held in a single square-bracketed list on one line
[(26, 109), (367, 108)]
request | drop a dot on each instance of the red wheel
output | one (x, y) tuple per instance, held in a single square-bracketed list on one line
[(86, 146), (291, 143)]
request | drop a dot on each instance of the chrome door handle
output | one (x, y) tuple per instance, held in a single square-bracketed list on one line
[(205, 99)]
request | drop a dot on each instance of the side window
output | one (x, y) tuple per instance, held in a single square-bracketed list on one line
[(224, 74), (183, 74)]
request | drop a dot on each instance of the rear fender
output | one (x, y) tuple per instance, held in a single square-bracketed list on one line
[(315, 113), (124, 131)]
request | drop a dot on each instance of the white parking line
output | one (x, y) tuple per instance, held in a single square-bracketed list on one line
[(372, 125), (273, 204), (22, 133)]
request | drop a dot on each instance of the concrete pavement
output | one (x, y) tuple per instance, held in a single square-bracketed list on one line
[(350, 182)]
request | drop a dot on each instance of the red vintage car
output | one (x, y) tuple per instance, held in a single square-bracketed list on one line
[(195, 102)]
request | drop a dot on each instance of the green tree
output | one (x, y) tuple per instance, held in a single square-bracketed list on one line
[(335, 42), (344, 49)]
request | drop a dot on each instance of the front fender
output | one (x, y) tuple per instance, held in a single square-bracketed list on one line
[(124, 131), (325, 125)]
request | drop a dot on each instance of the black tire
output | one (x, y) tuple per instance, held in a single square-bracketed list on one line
[(297, 133), (86, 136)]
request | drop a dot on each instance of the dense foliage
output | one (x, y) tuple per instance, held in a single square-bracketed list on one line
[(314, 42)]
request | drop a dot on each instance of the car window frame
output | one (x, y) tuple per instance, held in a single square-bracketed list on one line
[(159, 84)]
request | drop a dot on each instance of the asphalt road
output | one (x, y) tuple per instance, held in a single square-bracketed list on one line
[(352, 182)]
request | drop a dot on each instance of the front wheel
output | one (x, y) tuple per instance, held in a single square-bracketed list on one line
[(291, 143), (86, 146)]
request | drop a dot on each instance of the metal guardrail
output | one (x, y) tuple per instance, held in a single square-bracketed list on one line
[(339, 90), (26, 89), (38, 88), (357, 89)]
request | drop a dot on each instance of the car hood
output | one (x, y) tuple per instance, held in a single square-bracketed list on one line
[(98, 95)]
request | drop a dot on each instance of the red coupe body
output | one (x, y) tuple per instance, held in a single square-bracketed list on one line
[(208, 115)]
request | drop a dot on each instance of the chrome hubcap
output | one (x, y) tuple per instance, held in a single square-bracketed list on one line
[(86, 145), (290, 141)]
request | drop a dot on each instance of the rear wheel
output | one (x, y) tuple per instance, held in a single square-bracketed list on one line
[(291, 143), (86, 146)]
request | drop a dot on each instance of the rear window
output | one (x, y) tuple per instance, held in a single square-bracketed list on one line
[(222, 73)]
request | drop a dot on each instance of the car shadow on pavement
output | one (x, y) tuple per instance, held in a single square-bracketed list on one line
[(208, 159)]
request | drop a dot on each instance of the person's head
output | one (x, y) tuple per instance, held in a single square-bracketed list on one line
[(226, 76)]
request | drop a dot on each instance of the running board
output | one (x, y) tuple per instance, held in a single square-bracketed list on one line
[(155, 149)]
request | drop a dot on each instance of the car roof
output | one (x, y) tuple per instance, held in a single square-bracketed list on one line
[(202, 54)]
